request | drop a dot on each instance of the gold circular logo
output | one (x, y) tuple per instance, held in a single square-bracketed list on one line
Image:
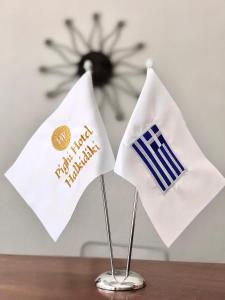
[(61, 138)]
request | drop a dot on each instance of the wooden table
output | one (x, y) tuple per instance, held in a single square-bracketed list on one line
[(60, 278)]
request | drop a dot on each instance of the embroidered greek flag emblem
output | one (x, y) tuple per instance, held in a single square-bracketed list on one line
[(159, 158)]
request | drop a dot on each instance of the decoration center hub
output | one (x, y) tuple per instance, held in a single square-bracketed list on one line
[(102, 67)]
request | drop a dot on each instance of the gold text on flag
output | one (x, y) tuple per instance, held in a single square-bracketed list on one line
[(77, 156)]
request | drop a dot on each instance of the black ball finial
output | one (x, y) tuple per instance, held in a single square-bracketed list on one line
[(121, 24), (120, 116), (43, 69), (140, 46), (96, 17), (49, 42), (69, 22), (50, 94)]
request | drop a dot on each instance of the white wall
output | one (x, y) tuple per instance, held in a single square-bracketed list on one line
[(186, 40)]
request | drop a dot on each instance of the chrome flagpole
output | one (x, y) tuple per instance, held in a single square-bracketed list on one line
[(107, 224), (130, 248), (121, 280)]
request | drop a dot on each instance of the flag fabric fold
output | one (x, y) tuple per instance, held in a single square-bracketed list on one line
[(161, 159), (68, 151)]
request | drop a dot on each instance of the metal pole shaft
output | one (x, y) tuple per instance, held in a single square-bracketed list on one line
[(107, 223), (132, 234)]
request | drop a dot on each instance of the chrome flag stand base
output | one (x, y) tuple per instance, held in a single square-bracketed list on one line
[(106, 281), (119, 280)]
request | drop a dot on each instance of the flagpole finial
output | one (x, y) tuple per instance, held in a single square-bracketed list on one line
[(88, 65), (149, 63)]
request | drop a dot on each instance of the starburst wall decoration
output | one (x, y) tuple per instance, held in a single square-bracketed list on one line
[(106, 58)]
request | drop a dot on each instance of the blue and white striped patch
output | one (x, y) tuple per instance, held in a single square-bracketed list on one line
[(159, 158)]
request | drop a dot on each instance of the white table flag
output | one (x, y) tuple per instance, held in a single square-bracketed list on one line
[(160, 158), (67, 152)]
